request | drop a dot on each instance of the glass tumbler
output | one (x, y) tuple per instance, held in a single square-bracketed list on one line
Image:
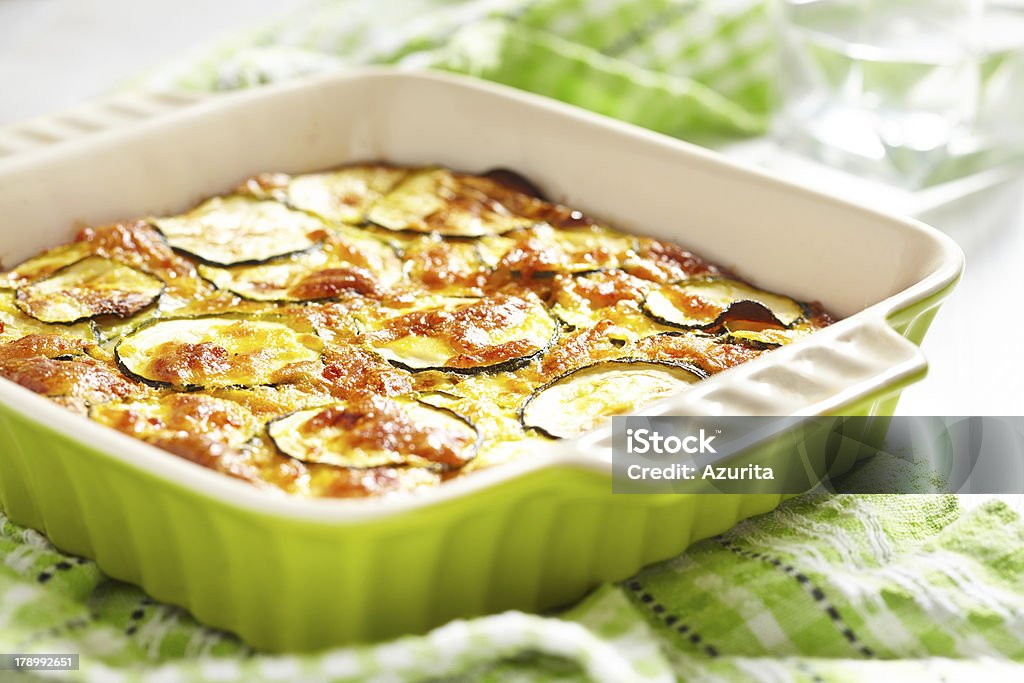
[(912, 92)]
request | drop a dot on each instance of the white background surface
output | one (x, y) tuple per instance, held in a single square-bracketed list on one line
[(975, 347), (55, 53)]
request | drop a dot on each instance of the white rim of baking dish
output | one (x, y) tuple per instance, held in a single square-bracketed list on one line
[(831, 368)]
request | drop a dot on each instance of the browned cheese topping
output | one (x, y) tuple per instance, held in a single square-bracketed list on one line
[(373, 329)]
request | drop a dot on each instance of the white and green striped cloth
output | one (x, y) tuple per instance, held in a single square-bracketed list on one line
[(825, 589), (829, 588), (683, 67)]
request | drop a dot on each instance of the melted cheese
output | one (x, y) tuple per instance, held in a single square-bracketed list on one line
[(467, 334), (215, 352), (545, 250), (373, 330), (376, 432), (222, 420)]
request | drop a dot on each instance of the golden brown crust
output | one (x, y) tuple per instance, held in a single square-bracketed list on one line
[(519, 197), (180, 363), (138, 244), (579, 348), (709, 354), (333, 282), (464, 327), (473, 195), (211, 454), (377, 423), (351, 371), (612, 287), (492, 355), (363, 288), (42, 346), (666, 262), (530, 256), (87, 380), (817, 316), (439, 266)]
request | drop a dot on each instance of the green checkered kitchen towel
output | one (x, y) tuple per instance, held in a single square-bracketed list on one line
[(830, 588), (699, 70), (826, 588)]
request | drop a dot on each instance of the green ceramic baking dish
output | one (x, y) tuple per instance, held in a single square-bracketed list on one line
[(294, 574)]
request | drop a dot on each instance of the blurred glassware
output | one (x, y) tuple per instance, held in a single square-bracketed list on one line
[(912, 92)]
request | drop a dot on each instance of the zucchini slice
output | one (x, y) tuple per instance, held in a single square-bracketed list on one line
[(238, 230), (218, 419), (42, 265), (771, 336), (213, 352), (701, 304), (92, 287), (745, 315), (349, 264), (14, 324), (545, 251), (376, 432), (345, 195), (438, 201), (500, 332), (578, 401)]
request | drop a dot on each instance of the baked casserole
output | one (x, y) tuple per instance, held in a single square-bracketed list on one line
[(374, 328)]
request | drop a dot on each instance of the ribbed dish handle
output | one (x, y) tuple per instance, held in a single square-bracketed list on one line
[(821, 374), (92, 117)]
